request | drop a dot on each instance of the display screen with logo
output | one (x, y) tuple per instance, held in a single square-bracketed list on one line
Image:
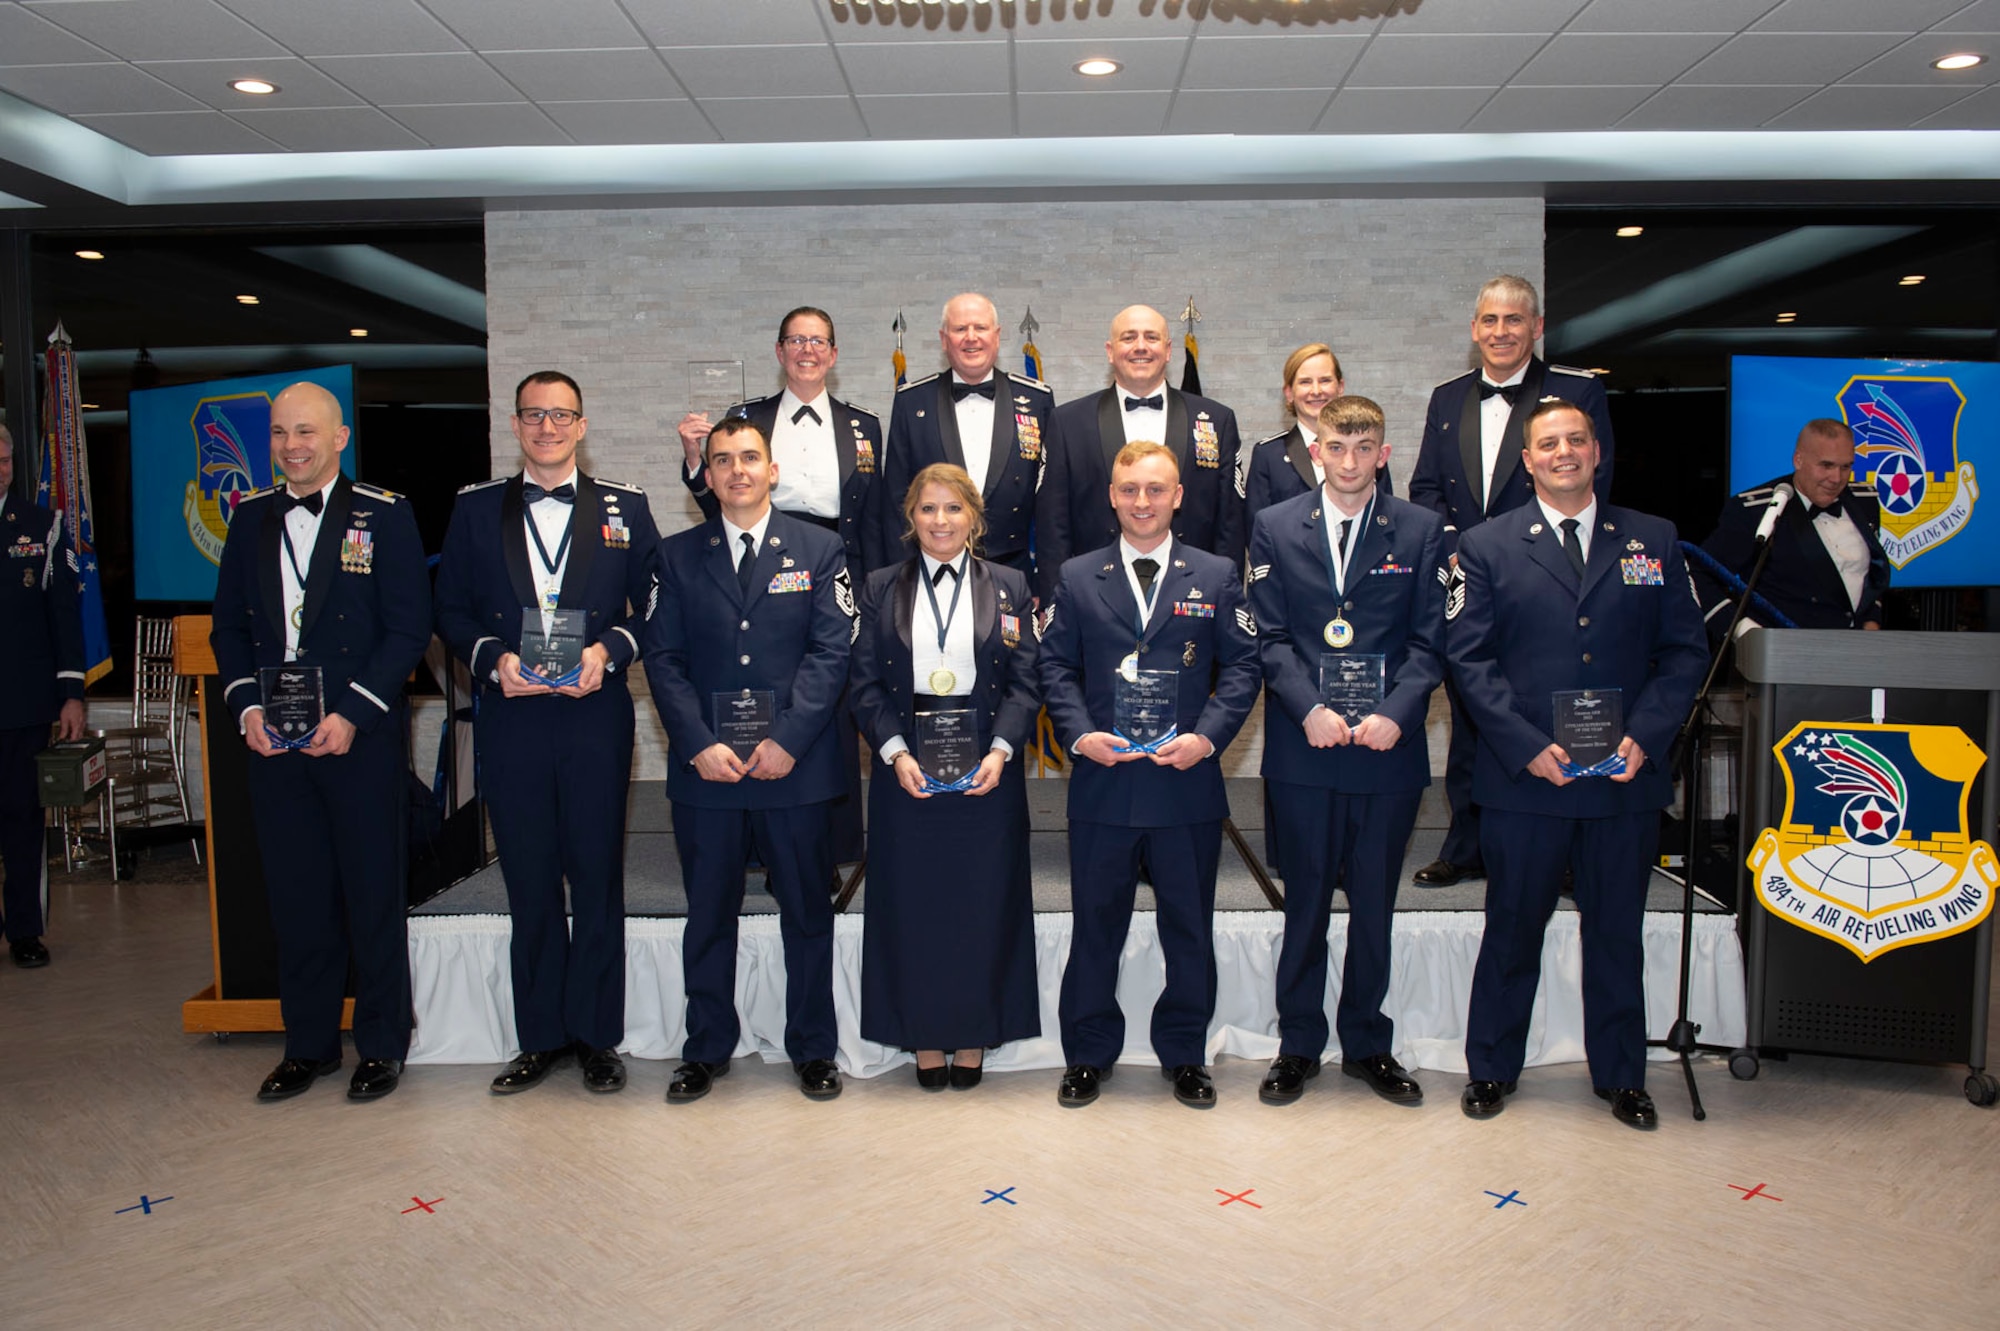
[(197, 450), (1926, 434)]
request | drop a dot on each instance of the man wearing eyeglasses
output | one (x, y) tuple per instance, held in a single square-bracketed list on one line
[(534, 564), (828, 455)]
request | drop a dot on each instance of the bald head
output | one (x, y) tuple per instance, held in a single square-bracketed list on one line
[(307, 437), (1138, 350)]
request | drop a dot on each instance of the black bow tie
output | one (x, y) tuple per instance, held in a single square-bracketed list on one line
[(310, 503), (805, 411), (1818, 510), (1157, 402), (959, 392), (937, 578), (534, 494), (1511, 392)]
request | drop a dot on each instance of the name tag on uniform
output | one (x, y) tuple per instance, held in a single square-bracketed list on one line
[(1639, 571), (1195, 609), (798, 580), (357, 551)]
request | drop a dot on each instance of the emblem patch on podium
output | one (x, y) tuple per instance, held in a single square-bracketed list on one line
[(1874, 851)]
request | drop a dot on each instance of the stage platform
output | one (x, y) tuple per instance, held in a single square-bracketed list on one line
[(464, 1001)]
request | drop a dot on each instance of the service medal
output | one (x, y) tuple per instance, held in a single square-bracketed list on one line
[(1129, 668), (1338, 632), (299, 615), (942, 681)]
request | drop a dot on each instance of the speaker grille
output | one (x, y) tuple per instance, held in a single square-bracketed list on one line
[(1853, 1028)]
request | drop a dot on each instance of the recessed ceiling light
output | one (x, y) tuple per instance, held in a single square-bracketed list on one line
[(247, 300), (1630, 231), (1600, 369), (1959, 60), (90, 254), (88, 406), (1787, 317), (357, 332), (1914, 279), (1097, 67), (254, 87)]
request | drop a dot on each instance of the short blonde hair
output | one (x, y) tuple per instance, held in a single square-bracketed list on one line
[(1352, 414), (954, 479), (1139, 450)]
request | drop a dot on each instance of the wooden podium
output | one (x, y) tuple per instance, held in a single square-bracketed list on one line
[(242, 994)]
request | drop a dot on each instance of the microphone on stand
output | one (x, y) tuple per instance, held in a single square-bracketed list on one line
[(1781, 494)]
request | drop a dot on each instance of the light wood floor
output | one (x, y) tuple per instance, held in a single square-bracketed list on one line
[(759, 1208)]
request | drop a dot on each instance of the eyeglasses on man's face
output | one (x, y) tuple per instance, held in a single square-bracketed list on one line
[(561, 417)]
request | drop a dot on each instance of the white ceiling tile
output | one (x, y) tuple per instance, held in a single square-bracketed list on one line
[(1852, 106), (94, 89), (1441, 62), (920, 24), (494, 125), (1577, 60), (1979, 111), (1246, 111), (784, 119), (529, 25), (1557, 110), (299, 84), (159, 29), (672, 121), (961, 67), (1984, 16), (28, 39), (1298, 61), (1535, 16), (1789, 58), (727, 22), (965, 117), (420, 80), (1068, 114), (746, 71), (349, 27), (1899, 16), (1052, 20), (331, 129), (1911, 63), (1683, 16), (1049, 66), (1402, 110), (179, 133), (1734, 106), (602, 76)]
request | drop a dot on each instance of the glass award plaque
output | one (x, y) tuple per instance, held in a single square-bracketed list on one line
[(714, 386), (1144, 709), (1589, 725), (743, 718), (554, 654), (947, 749), (294, 704), (1351, 684)]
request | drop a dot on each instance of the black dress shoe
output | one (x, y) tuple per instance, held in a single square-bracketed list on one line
[(293, 1076), (1286, 1081), (374, 1078), (528, 1069), (934, 1079), (1386, 1077), (1444, 873), (692, 1080), (1080, 1085), (1631, 1107), (603, 1070), (29, 954), (1192, 1086), (819, 1078), (1484, 1099), (964, 1078)]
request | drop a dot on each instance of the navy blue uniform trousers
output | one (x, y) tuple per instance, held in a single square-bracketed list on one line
[(23, 844)]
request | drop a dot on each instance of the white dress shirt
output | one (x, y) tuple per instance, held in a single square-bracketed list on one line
[(1846, 546), (959, 655), (808, 461), (1586, 523), (1143, 422), (551, 518), (302, 527), (1311, 437), (975, 429), (1164, 556), (1494, 413)]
